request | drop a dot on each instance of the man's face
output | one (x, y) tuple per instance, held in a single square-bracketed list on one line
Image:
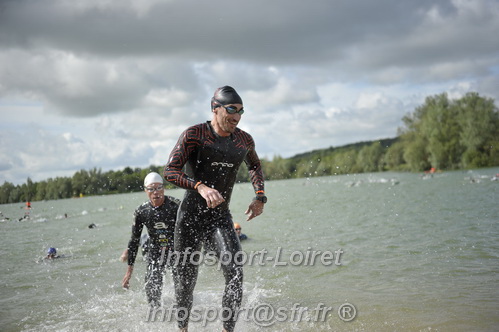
[(156, 193), (228, 122)]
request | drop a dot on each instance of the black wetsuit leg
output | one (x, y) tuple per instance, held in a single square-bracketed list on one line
[(156, 262), (218, 234), (222, 240), (186, 241)]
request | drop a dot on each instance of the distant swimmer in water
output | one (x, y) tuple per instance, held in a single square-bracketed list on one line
[(25, 217), (52, 254), (92, 226), (3, 218), (237, 227)]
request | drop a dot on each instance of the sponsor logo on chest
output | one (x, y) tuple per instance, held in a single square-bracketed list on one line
[(221, 164)]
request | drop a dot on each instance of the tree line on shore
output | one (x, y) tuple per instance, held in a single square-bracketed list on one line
[(442, 133)]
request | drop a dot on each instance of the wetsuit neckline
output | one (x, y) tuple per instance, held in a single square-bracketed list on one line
[(156, 207), (216, 134)]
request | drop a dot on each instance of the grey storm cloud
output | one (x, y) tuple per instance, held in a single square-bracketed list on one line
[(113, 83)]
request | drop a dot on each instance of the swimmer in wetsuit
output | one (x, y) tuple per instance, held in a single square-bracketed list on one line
[(241, 236), (158, 215), (52, 254), (212, 153)]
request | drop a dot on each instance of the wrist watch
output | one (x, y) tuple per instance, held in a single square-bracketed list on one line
[(262, 199)]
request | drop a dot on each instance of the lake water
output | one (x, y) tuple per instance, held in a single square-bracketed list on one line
[(400, 253)]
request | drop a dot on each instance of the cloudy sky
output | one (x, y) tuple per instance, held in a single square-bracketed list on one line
[(113, 83)]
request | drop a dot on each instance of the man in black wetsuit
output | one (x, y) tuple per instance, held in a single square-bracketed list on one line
[(158, 214), (212, 153)]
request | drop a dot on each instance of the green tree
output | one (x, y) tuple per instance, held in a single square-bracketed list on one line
[(277, 169), (450, 134), (441, 129), (479, 122), (345, 161), (28, 190), (394, 157), (370, 157), (325, 166), (41, 191), (79, 183), (416, 152), (14, 195), (307, 167), (5, 191)]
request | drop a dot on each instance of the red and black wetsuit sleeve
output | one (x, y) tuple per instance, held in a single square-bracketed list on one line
[(255, 170), (186, 144), (133, 244)]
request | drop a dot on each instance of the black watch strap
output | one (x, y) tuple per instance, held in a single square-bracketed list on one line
[(262, 199)]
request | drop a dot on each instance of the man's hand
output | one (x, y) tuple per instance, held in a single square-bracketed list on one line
[(212, 196), (124, 256), (126, 279), (254, 209)]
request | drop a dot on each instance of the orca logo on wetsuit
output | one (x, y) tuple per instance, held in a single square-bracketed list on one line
[(160, 225), (216, 163)]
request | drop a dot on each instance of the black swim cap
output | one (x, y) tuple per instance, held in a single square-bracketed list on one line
[(224, 96)]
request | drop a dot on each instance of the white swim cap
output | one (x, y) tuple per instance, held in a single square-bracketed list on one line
[(152, 177)]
